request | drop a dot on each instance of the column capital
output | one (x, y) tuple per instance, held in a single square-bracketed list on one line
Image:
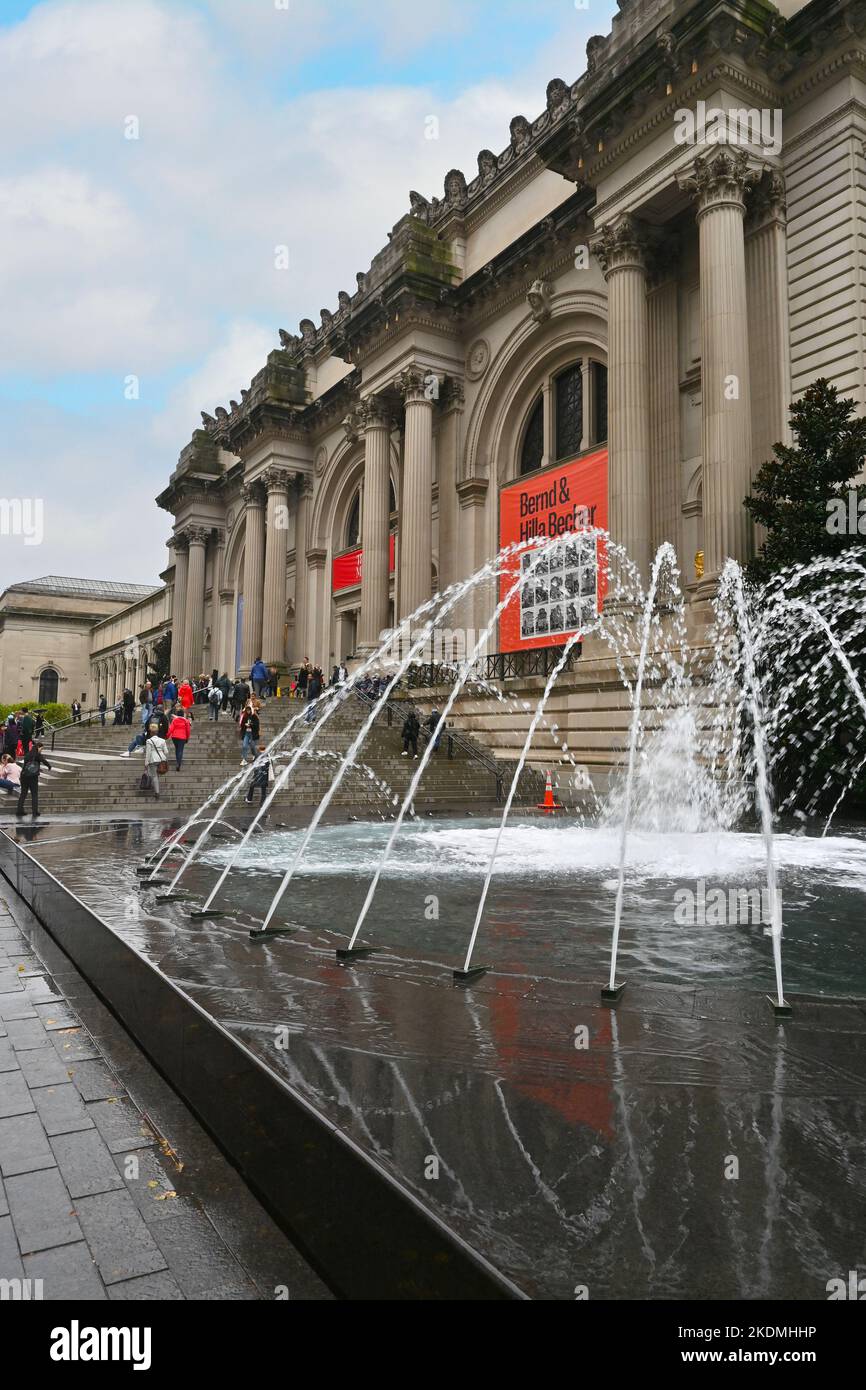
[(219, 536), (198, 535), (276, 479), (720, 180), (766, 202), (623, 245), (180, 540), (253, 494), (373, 413), (304, 486), (452, 396), (417, 386)]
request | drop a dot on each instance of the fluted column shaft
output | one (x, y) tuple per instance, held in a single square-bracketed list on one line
[(178, 611), (375, 525), (254, 577), (303, 499), (664, 379), (194, 631), (720, 181), (448, 452), (217, 652), (767, 296), (274, 616), (416, 507), (623, 255)]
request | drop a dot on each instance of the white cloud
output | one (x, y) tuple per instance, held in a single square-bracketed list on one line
[(140, 256), (218, 378), (270, 31)]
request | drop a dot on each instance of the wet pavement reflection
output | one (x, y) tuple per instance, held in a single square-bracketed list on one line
[(682, 1145)]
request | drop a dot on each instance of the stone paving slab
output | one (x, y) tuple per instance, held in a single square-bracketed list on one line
[(42, 1211), (92, 1201), (68, 1273)]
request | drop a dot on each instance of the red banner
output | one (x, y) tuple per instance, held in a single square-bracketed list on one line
[(346, 568), (566, 592)]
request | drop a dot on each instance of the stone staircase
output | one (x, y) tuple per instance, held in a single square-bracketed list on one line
[(586, 719), (89, 775)]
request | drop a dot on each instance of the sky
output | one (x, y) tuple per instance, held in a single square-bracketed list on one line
[(155, 155)]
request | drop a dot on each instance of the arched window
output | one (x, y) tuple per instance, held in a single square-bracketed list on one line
[(569, 411), (48, 685), (533, 440), (353, 526)]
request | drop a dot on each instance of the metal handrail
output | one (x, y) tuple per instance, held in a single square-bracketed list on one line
[(453, 739), (534, 661)]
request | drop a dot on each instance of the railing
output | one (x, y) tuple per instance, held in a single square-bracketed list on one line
[(85, 717), (453, 740), (538, 661)]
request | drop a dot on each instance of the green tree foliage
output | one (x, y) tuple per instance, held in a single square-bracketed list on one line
[(793, 495), (807, 500)]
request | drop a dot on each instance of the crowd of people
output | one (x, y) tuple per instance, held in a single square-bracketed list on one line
[(168, 709), (22, 759), (166, 713)]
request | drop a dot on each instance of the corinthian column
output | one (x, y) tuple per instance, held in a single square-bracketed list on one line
[(720, 181), (276, 480), (178, 602), (194, 640), (216, 625), (622, 250), (416, 508), (254, 575), (767, 294), (375, 420), (303, 492), (452, 402)]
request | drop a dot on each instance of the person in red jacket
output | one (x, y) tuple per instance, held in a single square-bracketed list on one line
[(186, 697), (179, 731)]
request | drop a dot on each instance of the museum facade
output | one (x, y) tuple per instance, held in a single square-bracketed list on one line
[(626, 297)]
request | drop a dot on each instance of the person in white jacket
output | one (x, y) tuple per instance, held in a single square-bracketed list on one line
[(155, 753)]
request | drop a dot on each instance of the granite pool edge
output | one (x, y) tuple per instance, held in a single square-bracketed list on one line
[(368, 1236)]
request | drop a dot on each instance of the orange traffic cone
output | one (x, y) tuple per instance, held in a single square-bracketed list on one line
[(548, 804)]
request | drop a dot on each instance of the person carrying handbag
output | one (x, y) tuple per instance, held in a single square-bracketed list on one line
[(155, 760)]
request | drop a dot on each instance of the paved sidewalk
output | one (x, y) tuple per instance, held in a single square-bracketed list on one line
[(95, 1201)]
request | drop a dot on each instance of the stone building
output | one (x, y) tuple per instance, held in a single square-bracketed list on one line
[(48, 631), (645, 275)]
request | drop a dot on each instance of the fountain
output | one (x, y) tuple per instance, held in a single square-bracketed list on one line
[(709, 768), (569, 1148)]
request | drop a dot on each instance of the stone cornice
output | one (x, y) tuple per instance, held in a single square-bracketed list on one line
[(665, 69), (549, 242), (272, 408), (193, 491)]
